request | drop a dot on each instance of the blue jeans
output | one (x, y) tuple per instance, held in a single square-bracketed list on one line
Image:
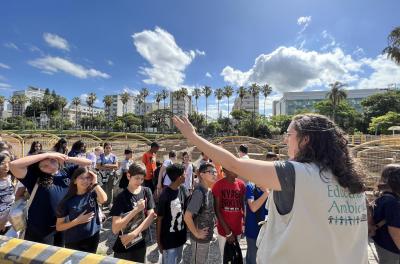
[(251, 251), (172, 255)]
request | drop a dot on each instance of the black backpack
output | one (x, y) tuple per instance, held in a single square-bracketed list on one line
[(232, 253)]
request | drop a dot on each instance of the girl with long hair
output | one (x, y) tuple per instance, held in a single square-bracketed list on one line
[(7, 196), (36, 147), (316, 211), (51, 172), (78, 211), (61, 146), (78, 149)]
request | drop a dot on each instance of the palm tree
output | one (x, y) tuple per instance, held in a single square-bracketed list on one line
[(393, 48), (158, 97), (22, 99), (241, 93), (228, 91), (207, 91), (266, 90), (196, 93), (47, 100), (336, 95), (108, 100), (254, 90), (140, 101), (76, 101), (182, 94), (164, 94), (62, 102), (145, 92), (124, 99), (2, 101), (219, 94), (90, 102)]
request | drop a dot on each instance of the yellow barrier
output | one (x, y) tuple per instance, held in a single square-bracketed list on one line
[(20, 251)]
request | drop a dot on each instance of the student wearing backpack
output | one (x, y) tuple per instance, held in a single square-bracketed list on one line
[(386, 214), (78, 212), (316, 211), (171, 229), (200, 215)]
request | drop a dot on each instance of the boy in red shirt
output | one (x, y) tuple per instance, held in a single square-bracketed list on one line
[(229, 194), (149, 160)]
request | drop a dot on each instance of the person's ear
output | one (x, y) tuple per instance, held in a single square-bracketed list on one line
[(304, 141)]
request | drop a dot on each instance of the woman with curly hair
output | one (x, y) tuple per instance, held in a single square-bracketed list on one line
[(49, 174), (316, 211)]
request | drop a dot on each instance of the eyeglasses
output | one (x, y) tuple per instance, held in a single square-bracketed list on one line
[(211, 171)]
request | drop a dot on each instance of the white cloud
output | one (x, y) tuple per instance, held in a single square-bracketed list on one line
[(212, 111), (168, 61), (11, 45), (303, 21), (208, 75), (359, 52), (200, 52), (4, 66), (289, 69), (131, 91), (384, 73), (51, 65), (56, 41), (5, 85), (331, 42)]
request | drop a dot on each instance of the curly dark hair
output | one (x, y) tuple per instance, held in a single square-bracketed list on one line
[(326, 146)]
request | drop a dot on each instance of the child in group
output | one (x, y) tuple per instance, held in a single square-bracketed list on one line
[(386, 215), (229, 195), (171, 230), (132, 214), (7, 196), (107, 164), (189, 172), (200, 215), (163, 179), (124, 167), (78, 212)]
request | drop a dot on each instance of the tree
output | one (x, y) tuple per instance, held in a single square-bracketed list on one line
[(281, 122), (228, 91), (196, 94), (382, 123), (198, 119), (336, 95), (47, 100), (76, 101), (124, 99), (219, 94), (346, 116), (108, 100), (62, 102), (144, 92), (241, 93), (266, 90), (90, 102), (379, 104), (207, 91), (179, 95), (254, 90), (35, 106), (158, 97), (393, 48), (140, 101), (165, 95)]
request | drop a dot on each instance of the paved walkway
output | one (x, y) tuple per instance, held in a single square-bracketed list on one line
[(107, 241)]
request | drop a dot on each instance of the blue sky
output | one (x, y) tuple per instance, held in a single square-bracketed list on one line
[(77, 47)]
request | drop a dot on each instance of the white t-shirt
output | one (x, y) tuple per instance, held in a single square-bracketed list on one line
[(125, 165), (167, 180), (189, 176)]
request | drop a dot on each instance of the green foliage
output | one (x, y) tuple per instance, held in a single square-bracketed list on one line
[(213, 129), (379, 104), (280, 122), (259, 125), (381, 124)]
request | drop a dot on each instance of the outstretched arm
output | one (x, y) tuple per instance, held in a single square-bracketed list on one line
[(262, 173)]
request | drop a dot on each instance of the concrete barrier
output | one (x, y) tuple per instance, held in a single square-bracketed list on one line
[(20, 251)]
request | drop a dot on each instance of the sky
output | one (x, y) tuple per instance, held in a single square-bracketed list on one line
[(107, 47)]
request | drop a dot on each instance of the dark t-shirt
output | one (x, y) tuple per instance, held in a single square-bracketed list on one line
[(171, 207), (42, 212), (388, 209), (72, 208), (284, 199), (124, 203)]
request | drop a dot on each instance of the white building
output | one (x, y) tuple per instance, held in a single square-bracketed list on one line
[(291, 102), (30, 93), (5, 110), (83, 111), (117, 108), (247, 103), (183, 106)]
